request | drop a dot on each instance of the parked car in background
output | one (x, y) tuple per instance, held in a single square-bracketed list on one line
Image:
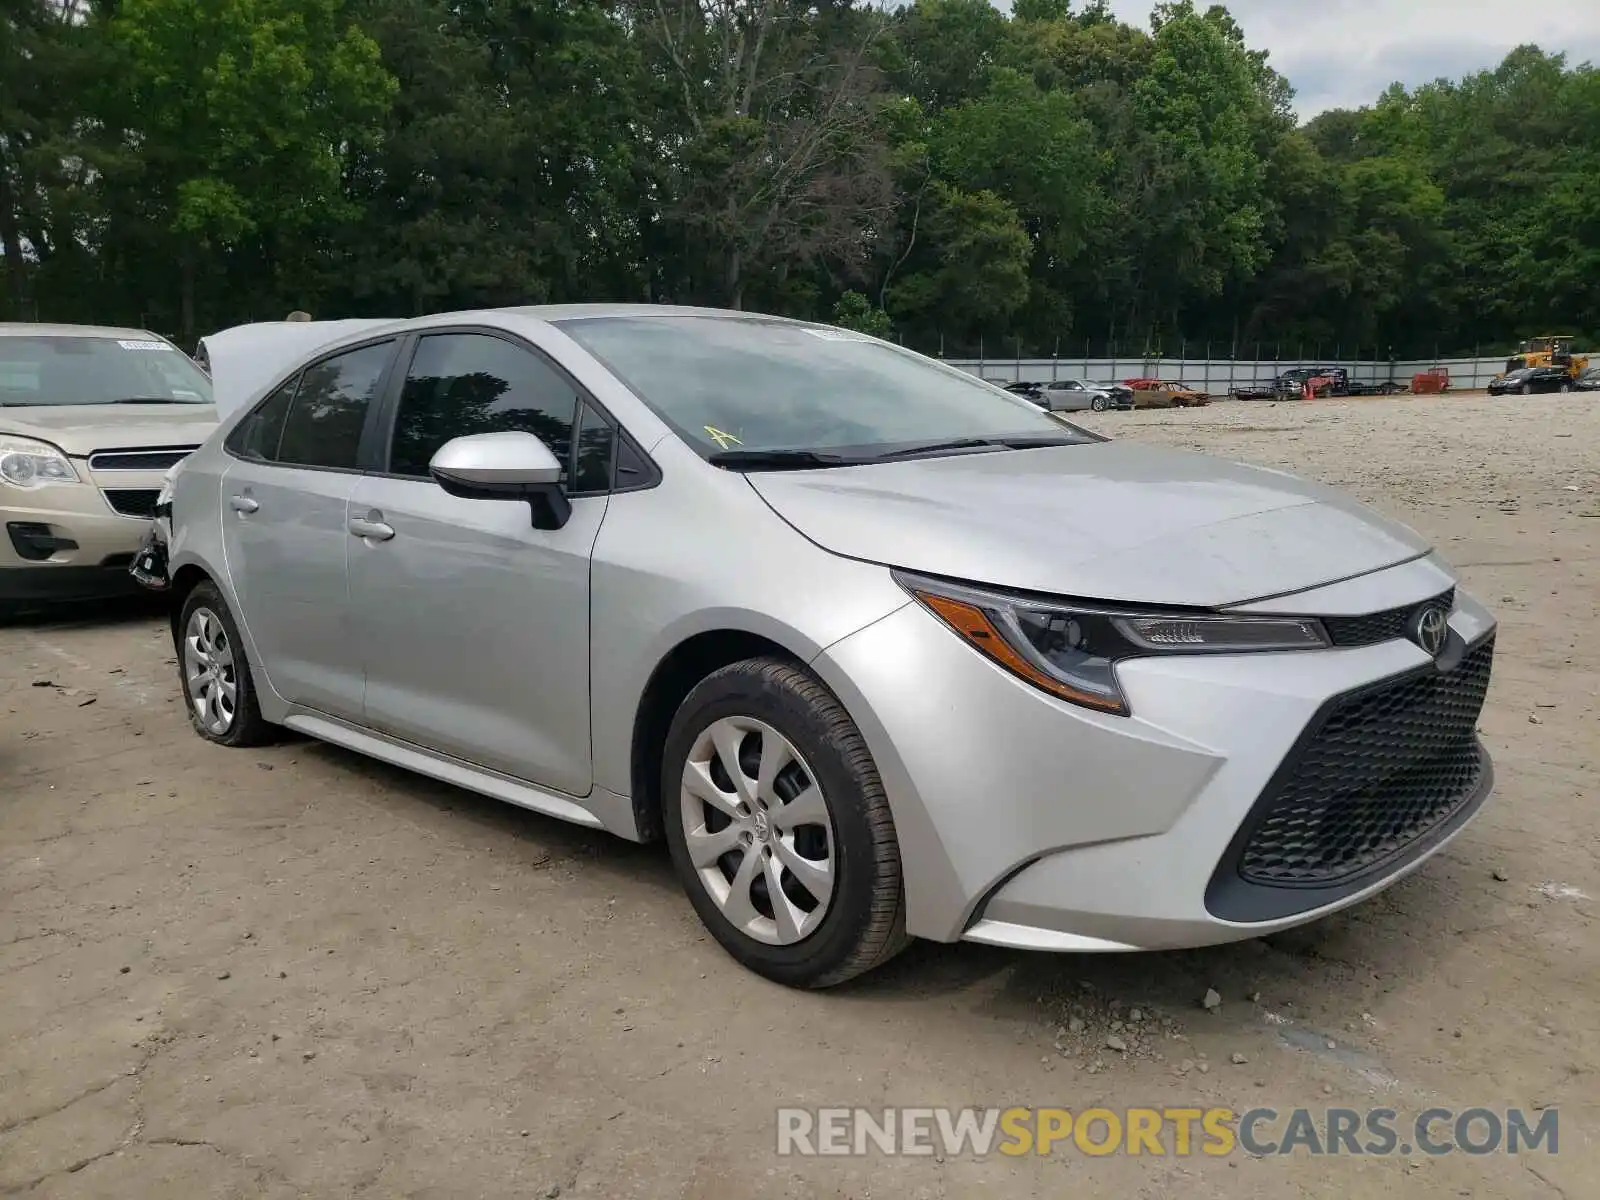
[(1528, 380), (1074, 395), (1121, 394), (90, 419), (1028, 390), (475, 545), (1290, 385), (1166, 393), (1589, 381)]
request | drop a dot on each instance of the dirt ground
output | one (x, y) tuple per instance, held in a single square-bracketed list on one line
[(295, 972)]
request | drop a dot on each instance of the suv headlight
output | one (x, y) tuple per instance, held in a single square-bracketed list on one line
[(25, 463), (1071, 650)]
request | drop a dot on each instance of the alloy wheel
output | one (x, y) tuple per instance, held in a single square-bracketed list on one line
[(758, 831), (209, 672)]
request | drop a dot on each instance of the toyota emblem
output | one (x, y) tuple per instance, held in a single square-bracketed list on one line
[(1430, 628)]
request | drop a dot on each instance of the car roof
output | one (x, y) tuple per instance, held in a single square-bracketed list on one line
[(546, 313), (41, 329), (569, 312)]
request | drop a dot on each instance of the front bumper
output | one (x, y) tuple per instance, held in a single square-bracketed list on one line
[(1029, 822), (66, 542)]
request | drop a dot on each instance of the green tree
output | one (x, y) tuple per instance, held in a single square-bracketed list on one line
[(855, 311), (766, 129), (51, 152), (971, 273), (243, 114), (505, 169)]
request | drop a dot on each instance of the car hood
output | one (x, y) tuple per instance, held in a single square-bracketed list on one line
[(81, 429), (1104, 521)]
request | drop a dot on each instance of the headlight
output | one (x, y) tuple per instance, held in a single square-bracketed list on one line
[(26, 463), (1071, 650)]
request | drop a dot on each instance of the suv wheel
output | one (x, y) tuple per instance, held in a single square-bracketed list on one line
[(215, 674), (779, 828)]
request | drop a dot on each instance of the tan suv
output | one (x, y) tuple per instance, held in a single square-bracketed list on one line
[(90, 420)]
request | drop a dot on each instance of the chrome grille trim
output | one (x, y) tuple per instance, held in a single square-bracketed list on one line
[(152, 458)]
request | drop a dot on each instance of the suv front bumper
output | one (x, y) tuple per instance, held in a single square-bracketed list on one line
[(65, 542)]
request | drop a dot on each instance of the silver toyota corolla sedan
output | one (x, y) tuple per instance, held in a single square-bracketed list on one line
[(879, 649)]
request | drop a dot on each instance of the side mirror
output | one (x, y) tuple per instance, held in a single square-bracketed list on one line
[(504, 466)]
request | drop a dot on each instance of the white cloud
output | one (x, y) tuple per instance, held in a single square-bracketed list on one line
[(1343, 53)]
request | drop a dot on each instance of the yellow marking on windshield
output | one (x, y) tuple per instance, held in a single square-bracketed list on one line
[(723, 440)]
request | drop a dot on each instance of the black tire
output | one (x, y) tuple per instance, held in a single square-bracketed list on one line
[(1565, 388), (864, 925), (247, 726), (1526, 389), (1098, 403)]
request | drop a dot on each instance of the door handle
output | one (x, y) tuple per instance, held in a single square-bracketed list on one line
[(243, 504), (370, 527)]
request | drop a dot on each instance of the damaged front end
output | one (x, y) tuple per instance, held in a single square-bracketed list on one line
[(149, 565)]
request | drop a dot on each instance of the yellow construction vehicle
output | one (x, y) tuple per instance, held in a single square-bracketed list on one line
[(1551, 350)]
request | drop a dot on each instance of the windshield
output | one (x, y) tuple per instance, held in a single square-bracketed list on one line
[(743, 383), (46, 369)]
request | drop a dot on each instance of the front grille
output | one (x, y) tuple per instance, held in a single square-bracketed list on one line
[(133, 502), (139, 460), (1381, 768), (1387, 626)]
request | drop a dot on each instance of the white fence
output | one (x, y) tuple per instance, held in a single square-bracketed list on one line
[(1218, 376)]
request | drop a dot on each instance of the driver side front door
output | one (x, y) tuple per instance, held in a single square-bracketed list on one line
[(473, 625)]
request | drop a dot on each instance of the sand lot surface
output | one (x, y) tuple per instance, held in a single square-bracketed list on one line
[(295, 972)]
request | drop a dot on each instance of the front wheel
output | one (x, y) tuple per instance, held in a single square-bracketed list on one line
[(1098, 403), (1565, 388), (779, 828), (1525, 390)]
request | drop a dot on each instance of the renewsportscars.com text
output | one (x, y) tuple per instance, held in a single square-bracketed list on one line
[(1172, 1131)]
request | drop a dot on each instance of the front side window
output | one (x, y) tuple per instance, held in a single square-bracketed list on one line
[(38, 371), (330, 408), (755, 384), (467, 383)]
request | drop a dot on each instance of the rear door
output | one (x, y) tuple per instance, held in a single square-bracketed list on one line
[(473, 625), (286, 539)]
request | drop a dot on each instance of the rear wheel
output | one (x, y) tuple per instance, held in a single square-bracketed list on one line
[(779, 828), (217, 687), (1565, 387)]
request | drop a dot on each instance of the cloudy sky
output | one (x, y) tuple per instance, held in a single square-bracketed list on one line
[(1342, 53)]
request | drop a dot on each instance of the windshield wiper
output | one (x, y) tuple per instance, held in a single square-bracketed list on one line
[(151, 400), (994, 443), (778, 460)]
